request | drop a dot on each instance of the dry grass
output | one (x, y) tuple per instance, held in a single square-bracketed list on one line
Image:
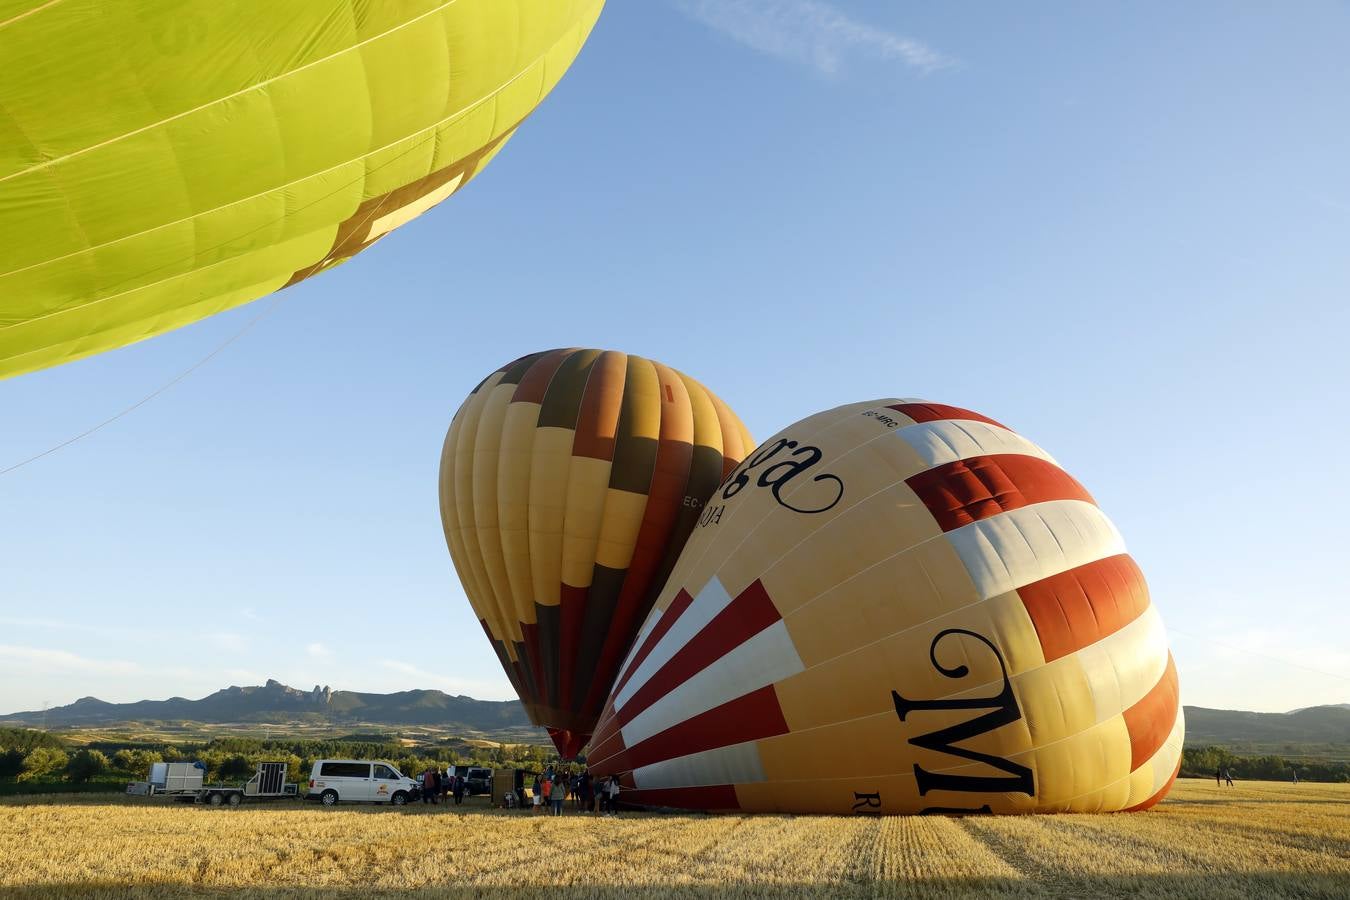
[(1257, 840)]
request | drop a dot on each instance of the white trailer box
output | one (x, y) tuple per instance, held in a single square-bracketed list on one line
[(168, 778)]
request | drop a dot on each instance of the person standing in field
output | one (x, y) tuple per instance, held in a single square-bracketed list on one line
[(612, 790), (537, 794), (584, 790), (1218, 776), (559, 793), (429, 786), (548, 792), (459, 789), (599, 799), (1294, 772), (1228, 774)]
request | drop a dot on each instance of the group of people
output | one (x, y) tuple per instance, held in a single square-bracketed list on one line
[(599, 796), (437, 786)]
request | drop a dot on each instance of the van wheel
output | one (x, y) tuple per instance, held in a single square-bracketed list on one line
[(328, 798), (215, 800), (399, 798), (236, 799)]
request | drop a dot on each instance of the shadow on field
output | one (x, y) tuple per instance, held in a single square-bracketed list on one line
[(1253, 885)]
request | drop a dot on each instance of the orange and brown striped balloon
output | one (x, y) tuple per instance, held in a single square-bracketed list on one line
[(569, 482), (898, 607)]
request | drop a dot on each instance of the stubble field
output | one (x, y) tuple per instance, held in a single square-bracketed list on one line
[(1256, 840)]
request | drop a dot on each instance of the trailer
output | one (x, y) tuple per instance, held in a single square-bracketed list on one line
[(185, 782)]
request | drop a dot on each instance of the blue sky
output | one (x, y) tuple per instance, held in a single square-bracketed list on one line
[(1122, 230)]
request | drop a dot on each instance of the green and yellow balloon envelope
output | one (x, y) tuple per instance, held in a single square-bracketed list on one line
[(163, 161)]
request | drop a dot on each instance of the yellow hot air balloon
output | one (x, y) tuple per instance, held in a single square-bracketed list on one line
[(898, 607), (163, 161), (569, 482)]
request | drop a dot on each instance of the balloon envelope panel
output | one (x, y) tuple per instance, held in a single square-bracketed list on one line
[(569, 482), (898, 607), (163, 161)]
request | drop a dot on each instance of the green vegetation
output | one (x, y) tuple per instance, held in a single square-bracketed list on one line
[(38, 762), (1201, 762)]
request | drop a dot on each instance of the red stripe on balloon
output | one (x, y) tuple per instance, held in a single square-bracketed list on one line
[(534, 383), (663, 624), (934, 412), (530, 632), (744, 617), (1077, 608), (670, 475), (572, 615), (607, 741), (704, 797), (751, 717), (968, 490), (1150, 721), (1156, 798)]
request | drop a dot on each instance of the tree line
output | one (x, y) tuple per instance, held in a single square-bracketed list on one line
[(1203, 762), (32, 758)]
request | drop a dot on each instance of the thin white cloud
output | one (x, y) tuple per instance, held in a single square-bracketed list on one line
[(228, 640), (811, 32), (479, 690), (318, 650), (63, 625), (42, 661)]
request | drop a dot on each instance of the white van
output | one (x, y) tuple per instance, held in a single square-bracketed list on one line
[(359, 781)]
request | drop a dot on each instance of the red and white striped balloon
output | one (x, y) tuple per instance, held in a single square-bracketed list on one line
[(896, 607)]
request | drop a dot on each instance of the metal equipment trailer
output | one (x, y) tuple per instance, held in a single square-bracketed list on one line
[(184, 782)]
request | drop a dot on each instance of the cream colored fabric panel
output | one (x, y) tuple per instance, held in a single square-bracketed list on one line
[(736, 764), (486, 457), (513, 504), (587, 482), (948, 440), (1024, 545), (549, 468), (619, 526), (454, 533), (482, 599), (1123, 667)]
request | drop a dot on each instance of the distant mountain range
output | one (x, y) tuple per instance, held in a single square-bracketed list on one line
[(275, 703), (1314, 724)]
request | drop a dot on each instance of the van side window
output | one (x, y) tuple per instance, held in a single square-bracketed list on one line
[(344, 770), (384, 772)]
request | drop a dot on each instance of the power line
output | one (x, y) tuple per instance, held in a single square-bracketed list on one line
[(1262, 655)]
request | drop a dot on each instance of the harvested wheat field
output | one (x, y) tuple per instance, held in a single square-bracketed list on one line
[(1257, 840)]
